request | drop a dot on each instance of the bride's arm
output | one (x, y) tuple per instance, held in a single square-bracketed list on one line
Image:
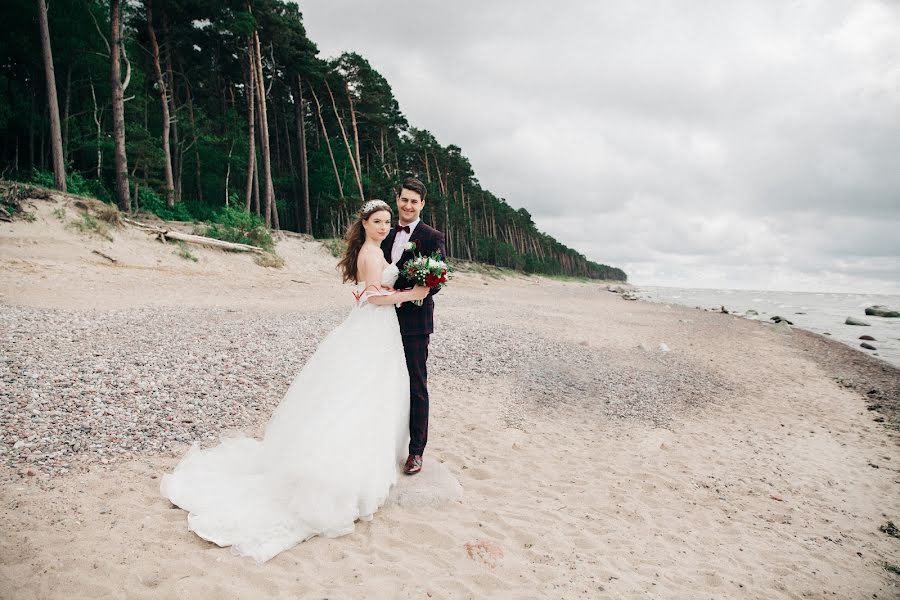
[(370, 269)]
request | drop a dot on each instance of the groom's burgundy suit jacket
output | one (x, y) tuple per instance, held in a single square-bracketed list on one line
[(415, 320)]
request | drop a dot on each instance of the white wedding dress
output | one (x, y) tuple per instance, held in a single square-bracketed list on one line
[(330, 453)]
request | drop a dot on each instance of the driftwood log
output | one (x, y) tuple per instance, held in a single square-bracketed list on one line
[(166, 234), (106, 256)]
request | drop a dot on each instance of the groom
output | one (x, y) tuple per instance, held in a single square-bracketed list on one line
[(416, 322)]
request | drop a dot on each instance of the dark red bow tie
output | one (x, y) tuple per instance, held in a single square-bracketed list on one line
[(400, 228)]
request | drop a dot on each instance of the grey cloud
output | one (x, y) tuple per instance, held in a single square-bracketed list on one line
[(738, 143)]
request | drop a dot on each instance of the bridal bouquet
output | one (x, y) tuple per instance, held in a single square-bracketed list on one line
[(430, 271)]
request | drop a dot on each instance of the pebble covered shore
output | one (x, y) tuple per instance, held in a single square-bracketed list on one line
[(84, 387)]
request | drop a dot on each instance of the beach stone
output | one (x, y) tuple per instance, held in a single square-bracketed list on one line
[(433, 485), (855, 321), (867, 338), (868, 346), (882, 311)]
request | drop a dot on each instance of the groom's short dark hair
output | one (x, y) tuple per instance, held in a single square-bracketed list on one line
[(414, 185)]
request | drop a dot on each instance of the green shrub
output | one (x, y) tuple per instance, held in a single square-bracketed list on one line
[(89, 225), (183, 252), (235, 225), (269, 259), (42, 178), (336, 246), (149, 201), (75, 184)]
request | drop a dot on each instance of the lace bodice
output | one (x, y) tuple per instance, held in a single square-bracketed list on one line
[(389, 275), (388, 278)]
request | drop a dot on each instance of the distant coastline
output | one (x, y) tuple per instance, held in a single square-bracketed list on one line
[(819, 312)]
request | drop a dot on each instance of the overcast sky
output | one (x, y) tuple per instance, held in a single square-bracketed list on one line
[(698, 143)]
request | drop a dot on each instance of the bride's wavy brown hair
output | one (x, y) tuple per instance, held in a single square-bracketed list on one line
[(356, 236)]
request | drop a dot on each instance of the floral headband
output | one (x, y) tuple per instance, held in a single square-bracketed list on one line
[(373, 204)]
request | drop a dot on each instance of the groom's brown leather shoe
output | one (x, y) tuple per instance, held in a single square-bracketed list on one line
[(413, 464)]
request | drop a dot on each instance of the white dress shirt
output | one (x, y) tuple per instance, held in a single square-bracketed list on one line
[(400, 240)]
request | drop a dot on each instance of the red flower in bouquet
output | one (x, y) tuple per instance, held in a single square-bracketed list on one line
[(430, 271)]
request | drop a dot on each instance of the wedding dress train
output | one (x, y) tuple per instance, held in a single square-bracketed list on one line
[(330, 452)]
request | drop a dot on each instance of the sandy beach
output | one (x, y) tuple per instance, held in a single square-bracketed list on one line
[(739, 460)]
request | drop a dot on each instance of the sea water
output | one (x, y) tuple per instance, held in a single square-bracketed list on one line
[(818, 312)]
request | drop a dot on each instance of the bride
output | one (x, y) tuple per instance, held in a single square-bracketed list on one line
[(331, 449)]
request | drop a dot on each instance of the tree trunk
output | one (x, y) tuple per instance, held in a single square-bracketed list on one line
[(337, 175), (346, 141), (176, 158), (294, 211), (251, 124), (66, 112), (264, 134), (256, 188), (228, 172), (301, 153), (99, 131), (450, 245), (118, 107), (59, 165), (279, 162), (196, 142), (164, 105), (355, 140)]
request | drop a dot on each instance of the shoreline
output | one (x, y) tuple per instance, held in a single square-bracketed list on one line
[(873, 378), (886, 329)]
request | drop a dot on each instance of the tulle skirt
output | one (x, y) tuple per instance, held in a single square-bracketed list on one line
[(330, 453)]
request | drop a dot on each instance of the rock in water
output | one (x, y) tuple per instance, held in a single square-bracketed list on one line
[(434, 485), (855, 321), (778, 319), (868, 346), (868, 338), (882, 311)]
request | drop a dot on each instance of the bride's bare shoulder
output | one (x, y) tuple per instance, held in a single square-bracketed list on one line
[(369, 252), (370, 256)]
